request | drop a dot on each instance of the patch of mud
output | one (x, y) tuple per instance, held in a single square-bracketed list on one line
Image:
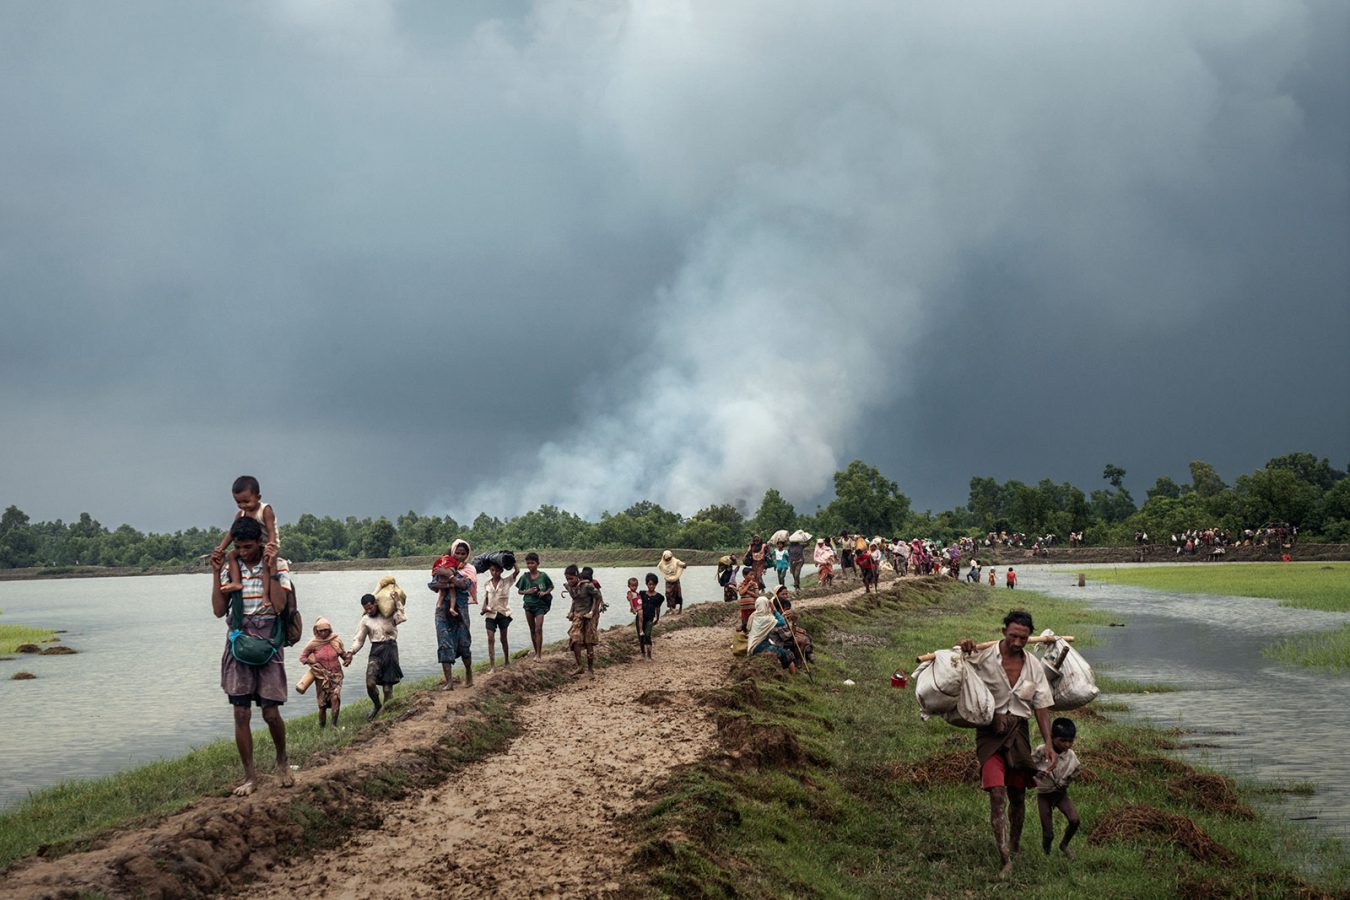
[(28, 648), (59, 650), (22, 676), (1148, 824), (756, 745), (1211, 793)]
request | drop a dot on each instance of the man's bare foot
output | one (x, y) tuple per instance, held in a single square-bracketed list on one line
[(284, 776), (1006, 872), (448, 685), (1067, 852), (578, 671), (591, 673), (244, 789)]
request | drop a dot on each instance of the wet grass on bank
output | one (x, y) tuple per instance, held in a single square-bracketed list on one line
[(1321, 586), (827, 790), (14, 636), (1314, 585)]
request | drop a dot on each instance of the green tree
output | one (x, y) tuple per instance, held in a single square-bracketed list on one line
[(1308, 469), (865, 501), (1114, 474), (774, 513), (1164, 487), (1205, 480), (378, 539)]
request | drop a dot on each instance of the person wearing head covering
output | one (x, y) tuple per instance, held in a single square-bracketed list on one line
[(672, 568), (759, 633), (454, 640), (324, 654), (824, 557)]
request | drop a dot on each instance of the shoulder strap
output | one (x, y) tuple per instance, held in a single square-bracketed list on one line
[(237, 610)]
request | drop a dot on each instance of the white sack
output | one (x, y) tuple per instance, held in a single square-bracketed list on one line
[(799, 537), (1071, 678), (937, 683)]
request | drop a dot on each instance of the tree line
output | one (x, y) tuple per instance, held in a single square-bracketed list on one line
[(1296, 489)]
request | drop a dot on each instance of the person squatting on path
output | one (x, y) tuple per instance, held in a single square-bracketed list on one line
[(537, 589), (457, 585), (497, 611), (584, 615), (649, 613), (325, 656), (382, 668), (671, 569), (1020, 689), (1052, 784), (768, 632), (263, 584)]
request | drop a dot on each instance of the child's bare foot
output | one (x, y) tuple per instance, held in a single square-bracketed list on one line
[(1067, 852), (284, 775), (1006, 872), (578, 671), (230, 588), (244, 789)]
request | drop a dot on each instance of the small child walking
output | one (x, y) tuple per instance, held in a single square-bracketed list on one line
[(991, 576), (1011, 578), (649, 613), (1052, 784), (248, 497), (635, 607)]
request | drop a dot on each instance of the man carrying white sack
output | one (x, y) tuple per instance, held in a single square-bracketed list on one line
[(1018, 684)]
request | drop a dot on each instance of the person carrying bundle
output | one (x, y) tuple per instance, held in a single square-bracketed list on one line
[(1020, 689)]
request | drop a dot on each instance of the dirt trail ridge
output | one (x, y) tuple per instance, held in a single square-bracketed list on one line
[(541, 818)]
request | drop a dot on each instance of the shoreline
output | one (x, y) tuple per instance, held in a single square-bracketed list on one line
[(484, 721), (621, 557)]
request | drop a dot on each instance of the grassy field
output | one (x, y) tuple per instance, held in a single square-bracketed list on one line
[(1323, 586), (1324, 650), (827, 790)]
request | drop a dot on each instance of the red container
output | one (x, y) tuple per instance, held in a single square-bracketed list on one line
[(899, 679)]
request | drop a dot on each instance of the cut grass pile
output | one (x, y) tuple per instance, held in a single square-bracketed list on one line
[(828, 790), (1314, 585)]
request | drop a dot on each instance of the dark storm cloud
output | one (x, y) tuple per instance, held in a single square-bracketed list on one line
[(453, 256)]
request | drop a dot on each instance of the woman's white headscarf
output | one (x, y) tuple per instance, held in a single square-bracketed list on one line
[(761, 623)]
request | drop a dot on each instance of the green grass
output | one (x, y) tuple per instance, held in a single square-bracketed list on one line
[(841, 815), (1322, 650), (1317, 585), (11, 636)]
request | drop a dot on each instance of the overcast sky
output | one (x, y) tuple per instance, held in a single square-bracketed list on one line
[(460, 256)]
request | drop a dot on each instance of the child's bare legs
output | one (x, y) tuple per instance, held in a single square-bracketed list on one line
[(576, 654), (492, 648), (536, 626), (1046, 811), (372, 691), (1066, 806), (506, 651)]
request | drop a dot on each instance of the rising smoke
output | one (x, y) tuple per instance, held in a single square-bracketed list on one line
[(840, 171)]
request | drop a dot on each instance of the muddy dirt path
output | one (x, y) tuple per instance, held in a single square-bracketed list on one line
[(541, 817)]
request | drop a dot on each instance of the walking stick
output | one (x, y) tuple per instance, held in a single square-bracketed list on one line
[(806, 667)]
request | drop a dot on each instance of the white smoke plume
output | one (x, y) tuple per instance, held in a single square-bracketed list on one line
[(839, 168)]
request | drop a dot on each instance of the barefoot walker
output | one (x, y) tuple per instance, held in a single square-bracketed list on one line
[(1018, 684), (251, 668)]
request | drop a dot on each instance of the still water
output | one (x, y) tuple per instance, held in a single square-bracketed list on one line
[(145, 684), (1256, 718)]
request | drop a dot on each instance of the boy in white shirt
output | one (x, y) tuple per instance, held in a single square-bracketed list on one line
[(1052, 784)]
